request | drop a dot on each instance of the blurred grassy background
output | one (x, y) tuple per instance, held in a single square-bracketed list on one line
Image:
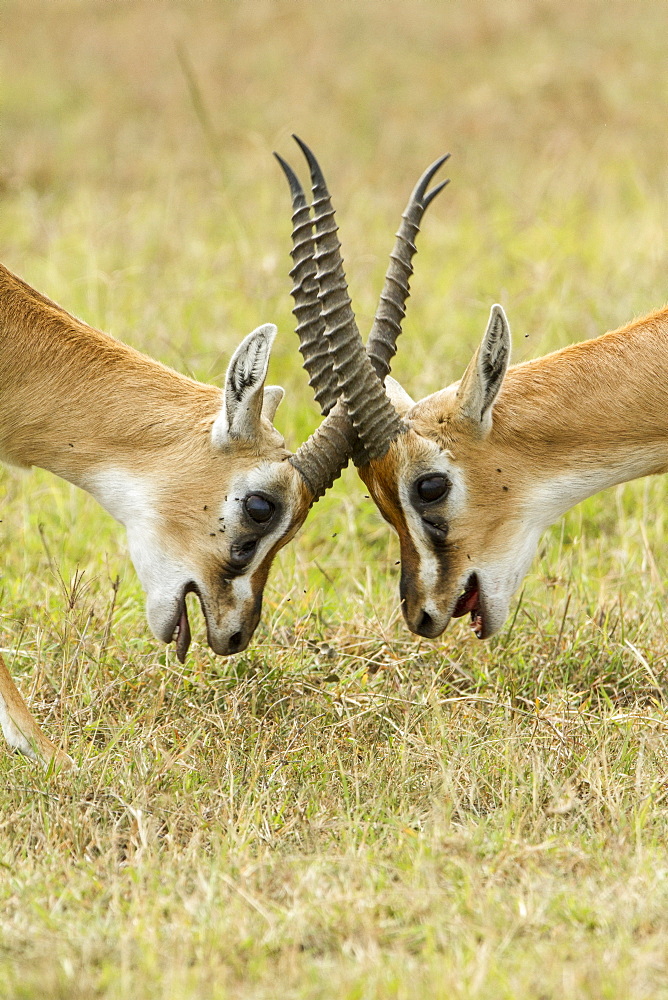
[(344, 810)]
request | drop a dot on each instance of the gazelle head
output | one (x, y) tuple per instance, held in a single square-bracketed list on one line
[(213, 498), (452, 490)]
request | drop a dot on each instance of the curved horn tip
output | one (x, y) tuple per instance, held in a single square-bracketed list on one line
[(428, 176), (295, 187), (317, 176), (304, 148), (437, 190), (437, 164)]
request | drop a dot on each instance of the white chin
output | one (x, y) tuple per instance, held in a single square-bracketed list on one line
[(496, 613), (162, 616)]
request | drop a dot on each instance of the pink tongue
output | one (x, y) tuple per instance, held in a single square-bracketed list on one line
[(467, 602), (183, 641)]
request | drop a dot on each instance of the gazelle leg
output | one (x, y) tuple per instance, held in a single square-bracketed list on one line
[(20, 729)]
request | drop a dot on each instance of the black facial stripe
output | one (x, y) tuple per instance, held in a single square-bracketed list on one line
[(437, 537), (410, 573), (229, 572)]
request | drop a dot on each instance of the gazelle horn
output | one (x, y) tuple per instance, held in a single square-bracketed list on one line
[(382, 344), (310, 323), (373, 416), (321, 458)]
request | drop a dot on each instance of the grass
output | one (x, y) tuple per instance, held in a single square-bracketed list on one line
[(343, 810)]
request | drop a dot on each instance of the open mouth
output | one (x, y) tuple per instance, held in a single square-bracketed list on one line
[(469, 603), (182, 636)]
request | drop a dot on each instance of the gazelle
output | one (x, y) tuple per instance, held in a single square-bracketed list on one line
[(201, 479), (470, 476), (473, 474)]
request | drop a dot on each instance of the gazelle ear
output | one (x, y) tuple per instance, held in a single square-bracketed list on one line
[(243, 395), (398, 396), (482, 379), (273, 394)]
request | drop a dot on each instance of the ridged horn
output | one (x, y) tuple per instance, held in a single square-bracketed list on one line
[(310, 323), (382, 343), (373, 416), (321, 458)]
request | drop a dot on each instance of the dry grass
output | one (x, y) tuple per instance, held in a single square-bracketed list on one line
[(343, 810)]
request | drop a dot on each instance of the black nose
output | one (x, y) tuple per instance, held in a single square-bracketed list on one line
[(235, 642), (425, 625)]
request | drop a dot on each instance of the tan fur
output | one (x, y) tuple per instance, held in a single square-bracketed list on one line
[(77, 402), (29, 736), (52, 365), (563, 427)]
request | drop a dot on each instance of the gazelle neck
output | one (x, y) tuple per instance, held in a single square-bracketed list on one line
[(588, 417), (72, 398)]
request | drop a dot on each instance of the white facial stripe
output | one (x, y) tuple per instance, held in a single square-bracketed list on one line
[(242, 589), (429, 562)]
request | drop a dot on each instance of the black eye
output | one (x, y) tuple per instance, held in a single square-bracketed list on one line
[(259, 508), (432, 488)]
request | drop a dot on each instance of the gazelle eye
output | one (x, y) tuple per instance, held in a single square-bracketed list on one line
[(259, 508), (432, 488)]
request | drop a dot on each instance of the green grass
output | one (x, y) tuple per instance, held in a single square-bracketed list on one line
[(343, 810)]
